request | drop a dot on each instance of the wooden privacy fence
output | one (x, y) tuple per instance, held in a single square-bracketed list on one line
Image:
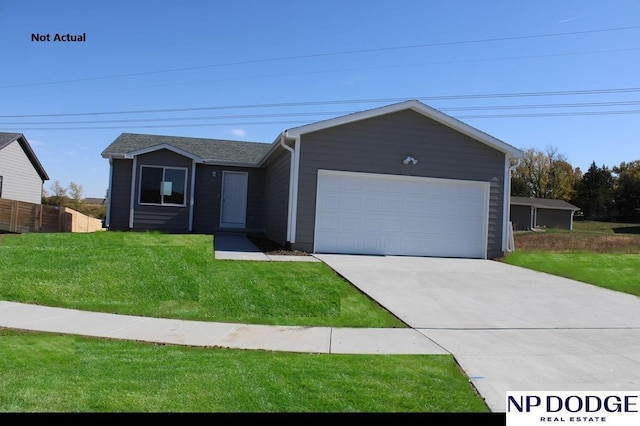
[(20, 217)]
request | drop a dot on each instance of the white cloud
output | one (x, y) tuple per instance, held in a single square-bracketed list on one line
[(573, 18), (239, 133)]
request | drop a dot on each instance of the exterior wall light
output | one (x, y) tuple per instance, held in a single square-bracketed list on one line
[(409, 160)]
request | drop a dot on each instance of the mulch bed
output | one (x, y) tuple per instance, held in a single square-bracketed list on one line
[(272, 248)]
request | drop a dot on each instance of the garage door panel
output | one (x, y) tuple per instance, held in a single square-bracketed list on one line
[(329, 200), (326, 222), (371, 224), (392, 226), (400, 215), (373, 204)]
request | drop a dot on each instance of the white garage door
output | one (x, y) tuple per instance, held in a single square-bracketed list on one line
[(363, 213)]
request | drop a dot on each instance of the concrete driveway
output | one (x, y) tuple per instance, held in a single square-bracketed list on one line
[(509, 328)]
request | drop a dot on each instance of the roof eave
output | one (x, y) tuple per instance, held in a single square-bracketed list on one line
[(22, 140), (214, 162), (274, 146)]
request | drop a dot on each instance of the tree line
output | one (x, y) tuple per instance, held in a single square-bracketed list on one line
[(72, 197), (602, 192)]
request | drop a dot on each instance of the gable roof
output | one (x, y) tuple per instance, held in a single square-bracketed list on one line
[(218, 151), (418, 107), (7, 138), (545, 203), (128, 145)]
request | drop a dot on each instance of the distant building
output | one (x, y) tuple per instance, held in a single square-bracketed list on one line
[(530, 213)]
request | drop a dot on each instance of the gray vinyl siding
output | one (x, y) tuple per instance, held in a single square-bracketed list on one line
[(20, 180), (162, 218), (379, 144), (120, 187), (551, 218), (521, 217), (276, 197), (207, 197)]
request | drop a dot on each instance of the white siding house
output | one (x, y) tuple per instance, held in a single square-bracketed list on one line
[(21, 174)]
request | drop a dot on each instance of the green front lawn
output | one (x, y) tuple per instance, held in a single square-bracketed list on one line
[(52, 373), (605, 254), (619, 272), (176, 276)]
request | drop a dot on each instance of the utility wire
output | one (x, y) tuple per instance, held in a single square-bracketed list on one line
[(326, 54), (325, 113), (338, 102), (293, 122)]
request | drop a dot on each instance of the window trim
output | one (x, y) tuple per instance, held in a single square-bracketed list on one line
[(162, 203)]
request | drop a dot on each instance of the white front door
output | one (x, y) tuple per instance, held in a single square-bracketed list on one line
[(233, 208)]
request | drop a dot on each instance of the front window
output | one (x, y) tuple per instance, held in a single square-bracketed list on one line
[(163, 185), (0, 186)]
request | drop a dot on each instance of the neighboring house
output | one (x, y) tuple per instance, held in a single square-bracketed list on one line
[(21, 175), (404, 179), (530, 213)]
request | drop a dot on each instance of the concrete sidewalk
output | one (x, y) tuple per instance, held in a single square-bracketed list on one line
[(238, 247), (328, 340)]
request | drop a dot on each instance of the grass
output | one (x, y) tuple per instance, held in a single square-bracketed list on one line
[(599, 253), (176, 276), (52, 373), (589, 236)]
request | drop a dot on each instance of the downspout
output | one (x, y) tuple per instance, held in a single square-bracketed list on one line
[(192, 194), (294, 201), (291, 178), (132, 201), (107, 219), (571, 221), (508, 227)]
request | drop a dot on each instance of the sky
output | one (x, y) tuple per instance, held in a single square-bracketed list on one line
[(544, 74)]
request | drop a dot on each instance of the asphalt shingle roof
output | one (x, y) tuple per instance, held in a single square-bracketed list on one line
[(211, 150), (7, 138), (543, 203)]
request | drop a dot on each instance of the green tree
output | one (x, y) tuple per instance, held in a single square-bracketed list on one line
[(75, 191), (545, 174), (594, 193), (627, 190), (59, 195)]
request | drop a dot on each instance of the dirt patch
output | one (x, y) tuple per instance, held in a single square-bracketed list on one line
[(270, 247)]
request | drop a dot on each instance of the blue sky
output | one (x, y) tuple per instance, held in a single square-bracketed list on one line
[(535, 74)]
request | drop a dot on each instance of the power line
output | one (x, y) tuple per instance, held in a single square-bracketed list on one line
[(326, 54), (552, 114), (293, 122), (335, 70), (213, 117), (339, 102), (326, 113)]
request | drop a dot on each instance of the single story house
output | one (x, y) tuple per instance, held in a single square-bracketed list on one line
[(403, 179), (21, 174), (529, 213)]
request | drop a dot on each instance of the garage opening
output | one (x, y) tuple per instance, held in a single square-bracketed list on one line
[(379, 214)]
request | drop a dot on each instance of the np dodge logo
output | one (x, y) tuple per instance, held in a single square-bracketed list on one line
[(542, 408)]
